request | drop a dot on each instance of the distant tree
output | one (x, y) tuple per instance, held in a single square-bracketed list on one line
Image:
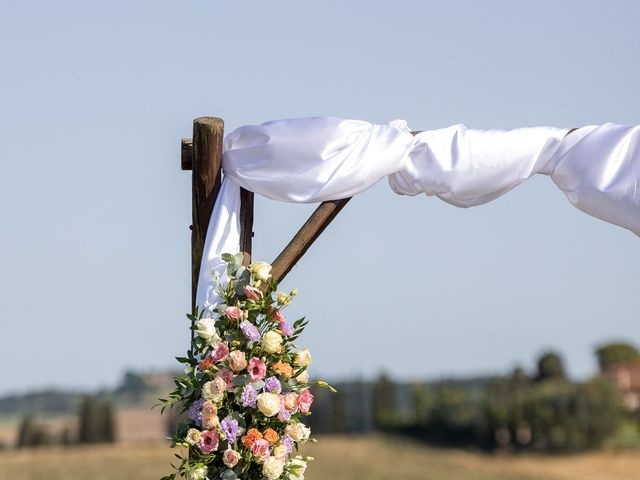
[(88, 428), (32, 434), (108, 424), (25, 432), (550, 367), (421, 398), (519, 378), (613, 353), (384, 401), (96, 422), (339, 412)]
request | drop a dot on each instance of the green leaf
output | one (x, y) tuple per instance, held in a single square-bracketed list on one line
[(241, 380), (227, 257), (258, 385)]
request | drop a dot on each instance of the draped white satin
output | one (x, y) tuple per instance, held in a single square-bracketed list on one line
[(316, 159)]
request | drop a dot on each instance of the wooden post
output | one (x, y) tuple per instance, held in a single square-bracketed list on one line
[(206, 160), (246, 224)]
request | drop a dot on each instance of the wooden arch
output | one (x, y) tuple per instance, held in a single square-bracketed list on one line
[(202, 154)]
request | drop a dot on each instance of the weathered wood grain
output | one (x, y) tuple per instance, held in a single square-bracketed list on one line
[(207, 156), (246, 224), (186, 154)]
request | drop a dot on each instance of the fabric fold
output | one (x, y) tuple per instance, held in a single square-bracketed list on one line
[(307, 160)]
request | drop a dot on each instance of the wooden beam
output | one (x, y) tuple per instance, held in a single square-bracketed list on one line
[(186, 154), (206, 159), (310, 231)]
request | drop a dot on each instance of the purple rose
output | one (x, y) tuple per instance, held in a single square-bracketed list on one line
[(249, 330), (230, 428), (249, 396), (287, 441), (195, 411), (286, 329), (284, 415), (272, 385)]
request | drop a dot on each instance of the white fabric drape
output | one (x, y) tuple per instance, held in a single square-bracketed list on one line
[(315, 159)]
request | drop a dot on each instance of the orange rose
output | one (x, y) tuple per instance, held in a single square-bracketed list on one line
[(251, 437), (283, 369), (206, 363), (270, 435)]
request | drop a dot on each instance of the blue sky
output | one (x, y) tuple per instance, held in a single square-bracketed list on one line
[(94, 257)]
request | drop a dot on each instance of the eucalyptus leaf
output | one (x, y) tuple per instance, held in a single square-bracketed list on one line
[(241, 380)]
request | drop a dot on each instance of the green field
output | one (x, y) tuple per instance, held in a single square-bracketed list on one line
[(337, 458)]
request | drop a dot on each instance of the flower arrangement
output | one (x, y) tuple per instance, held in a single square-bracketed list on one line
[(246, 385)]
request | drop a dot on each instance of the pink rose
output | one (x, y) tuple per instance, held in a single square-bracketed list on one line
[(276, 316), (209, 409), (208, 441), (291, 402), (220, 352), (237, 360), (234, 313), (252, 293), (226, 375), (305, 400), (230, 458), (257, 369), (260, 449)]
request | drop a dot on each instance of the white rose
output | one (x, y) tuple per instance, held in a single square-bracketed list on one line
[(199, 473), (214, 390), (269, 404), (271, 341), (298, 432), (205, 327), (303, 377), (303, 358), (193, 436), (272, 468), (298, 467), (280, 451), (283, 298), (261, 270)]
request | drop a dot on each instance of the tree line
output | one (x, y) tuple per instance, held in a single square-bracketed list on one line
[(96, 424), (539, 411)]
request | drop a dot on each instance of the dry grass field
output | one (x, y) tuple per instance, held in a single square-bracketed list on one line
[(337, 458)]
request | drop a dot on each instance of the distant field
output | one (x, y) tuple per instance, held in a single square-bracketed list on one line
[(337, 458)]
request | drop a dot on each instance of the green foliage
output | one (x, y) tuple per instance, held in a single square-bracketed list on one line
[(552, 416), (551, 367), (612, 353)]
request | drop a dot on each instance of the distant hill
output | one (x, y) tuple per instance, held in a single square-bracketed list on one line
[(45, 402), (135, 389)]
